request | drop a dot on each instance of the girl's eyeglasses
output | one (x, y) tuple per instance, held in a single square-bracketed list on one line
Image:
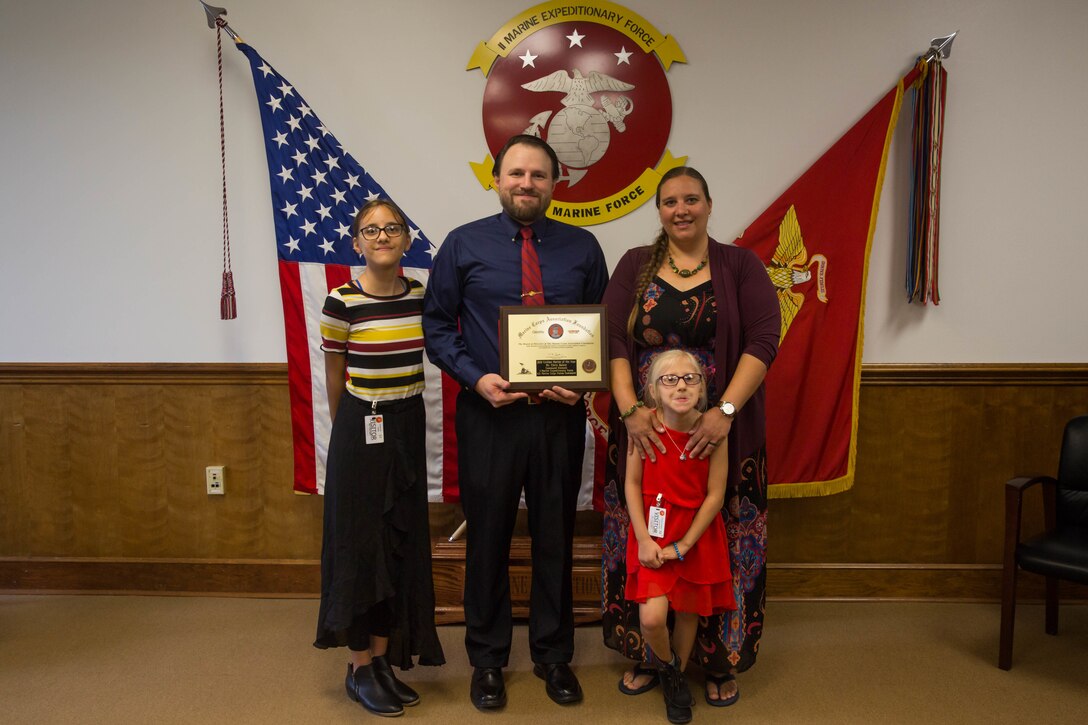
[(370, 233), (670, 381)]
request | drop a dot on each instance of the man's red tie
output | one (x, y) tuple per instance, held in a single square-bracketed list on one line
[(532, 285)]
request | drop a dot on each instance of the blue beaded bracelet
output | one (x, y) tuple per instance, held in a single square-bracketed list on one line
[(677, 550)]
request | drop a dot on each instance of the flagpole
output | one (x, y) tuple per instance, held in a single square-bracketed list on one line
[(459, 532), (216, 19), (940, 48)]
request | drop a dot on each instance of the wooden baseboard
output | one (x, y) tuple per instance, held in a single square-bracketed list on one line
[(301, 578)]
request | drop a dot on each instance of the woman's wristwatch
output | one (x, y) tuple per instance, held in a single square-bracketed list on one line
[(727, 408)]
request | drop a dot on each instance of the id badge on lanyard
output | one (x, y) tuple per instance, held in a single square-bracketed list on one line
[(656, 524), (374, 426)]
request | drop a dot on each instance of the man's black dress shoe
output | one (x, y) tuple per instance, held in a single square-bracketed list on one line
[(488, 691), (560, 682), (364, 688), (384, 674)]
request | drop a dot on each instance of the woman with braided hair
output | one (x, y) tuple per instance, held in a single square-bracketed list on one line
[(716, 301)]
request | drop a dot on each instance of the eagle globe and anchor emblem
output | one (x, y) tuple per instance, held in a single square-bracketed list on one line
[(594, 63), (580, 133)]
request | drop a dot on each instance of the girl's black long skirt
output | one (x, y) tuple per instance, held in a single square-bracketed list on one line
[(376, 542)]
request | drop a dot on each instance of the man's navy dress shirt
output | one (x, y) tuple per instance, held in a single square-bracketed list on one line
[(478, 269)]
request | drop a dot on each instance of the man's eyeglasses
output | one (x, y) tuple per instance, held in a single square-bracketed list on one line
[(391, 230), (670, 381)]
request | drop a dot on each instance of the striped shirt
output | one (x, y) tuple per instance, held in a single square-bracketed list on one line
[(382, 337)]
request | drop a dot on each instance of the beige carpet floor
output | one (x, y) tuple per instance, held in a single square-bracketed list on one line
[(137, 659)]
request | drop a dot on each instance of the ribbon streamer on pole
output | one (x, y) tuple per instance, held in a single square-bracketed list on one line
[(923, 251), (228, 305)]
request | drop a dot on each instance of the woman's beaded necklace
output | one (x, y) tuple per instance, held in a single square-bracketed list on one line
[(685, 273)]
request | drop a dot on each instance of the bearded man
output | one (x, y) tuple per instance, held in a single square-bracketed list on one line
[(514, 441)]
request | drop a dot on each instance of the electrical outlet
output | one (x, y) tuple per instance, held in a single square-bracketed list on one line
[(213, 476)]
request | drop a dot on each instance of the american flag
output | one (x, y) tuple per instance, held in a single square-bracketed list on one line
[(316, 190)]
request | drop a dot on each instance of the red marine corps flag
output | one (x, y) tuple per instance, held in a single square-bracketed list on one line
[(814, 240)]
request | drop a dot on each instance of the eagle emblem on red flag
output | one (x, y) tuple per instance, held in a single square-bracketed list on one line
[(790, 267)]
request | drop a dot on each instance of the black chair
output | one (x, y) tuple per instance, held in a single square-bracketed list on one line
[(1061, 552)]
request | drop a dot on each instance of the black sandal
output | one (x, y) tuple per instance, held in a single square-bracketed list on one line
[(641, 670), (718, 681)]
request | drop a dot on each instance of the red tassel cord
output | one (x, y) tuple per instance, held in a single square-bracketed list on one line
[(228, 305)]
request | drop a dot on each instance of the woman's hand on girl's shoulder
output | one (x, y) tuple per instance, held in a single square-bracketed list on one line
[(710, 432), (643, 429)]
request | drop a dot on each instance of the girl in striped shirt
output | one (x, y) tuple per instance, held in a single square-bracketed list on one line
[(377, 594)]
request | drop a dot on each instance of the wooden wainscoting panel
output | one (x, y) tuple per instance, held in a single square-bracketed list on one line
[(49, 513), (130, 575), (935, 447), (898, 488), (14, 507), (108, 461), (105, 463)]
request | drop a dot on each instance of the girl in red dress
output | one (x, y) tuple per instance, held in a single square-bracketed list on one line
[(677, 556)]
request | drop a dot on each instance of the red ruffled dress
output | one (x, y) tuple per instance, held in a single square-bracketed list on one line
[(701, 583)]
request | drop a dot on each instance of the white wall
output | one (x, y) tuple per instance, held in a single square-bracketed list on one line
[(109, 196)]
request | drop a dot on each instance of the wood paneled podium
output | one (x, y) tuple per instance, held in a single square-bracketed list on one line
[(449, 578)]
